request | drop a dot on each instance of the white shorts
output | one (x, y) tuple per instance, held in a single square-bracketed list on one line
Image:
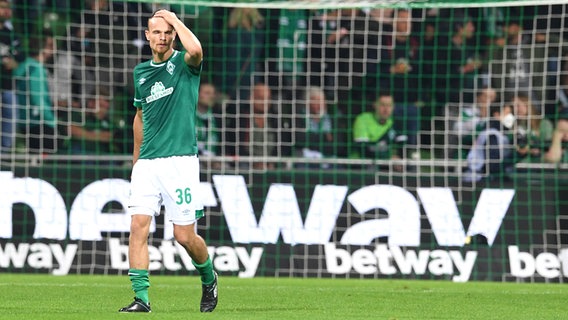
[(173, 182)]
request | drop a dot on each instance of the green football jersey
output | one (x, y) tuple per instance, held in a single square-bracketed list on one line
[(379, 139), (167, 92)]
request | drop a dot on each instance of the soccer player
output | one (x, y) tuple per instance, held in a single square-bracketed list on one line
[(165, 164)]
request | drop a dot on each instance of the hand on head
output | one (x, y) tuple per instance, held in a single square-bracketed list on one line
[(169, 16)]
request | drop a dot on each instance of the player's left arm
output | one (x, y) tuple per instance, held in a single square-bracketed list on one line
[(137, 130), (192, 45)]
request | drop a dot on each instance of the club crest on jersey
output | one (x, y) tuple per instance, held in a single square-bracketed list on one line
[(170, 67), (158, 91)]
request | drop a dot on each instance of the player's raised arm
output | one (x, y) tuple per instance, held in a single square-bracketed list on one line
[(191, 44)]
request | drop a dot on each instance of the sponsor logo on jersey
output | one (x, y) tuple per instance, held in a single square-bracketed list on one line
[(158, 91)]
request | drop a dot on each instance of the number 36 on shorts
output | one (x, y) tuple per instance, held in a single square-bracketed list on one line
[(183, 196)]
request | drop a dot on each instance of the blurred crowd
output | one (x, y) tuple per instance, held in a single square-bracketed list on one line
[(488, 86)]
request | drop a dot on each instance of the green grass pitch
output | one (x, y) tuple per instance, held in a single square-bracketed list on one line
[(25, 296)]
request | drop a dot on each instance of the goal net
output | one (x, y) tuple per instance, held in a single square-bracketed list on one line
[(353, 139)]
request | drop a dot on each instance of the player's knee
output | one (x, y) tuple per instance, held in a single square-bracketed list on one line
[(140, 226), (184, 233), (184, 238)]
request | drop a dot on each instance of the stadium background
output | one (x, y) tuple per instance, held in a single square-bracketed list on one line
[(55, 202)]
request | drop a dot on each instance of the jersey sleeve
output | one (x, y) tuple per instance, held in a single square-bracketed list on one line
[(195, 70), (360, 130), (137, 98)]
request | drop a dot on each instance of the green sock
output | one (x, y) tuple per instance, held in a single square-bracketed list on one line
[(206, 271), (140, 283)]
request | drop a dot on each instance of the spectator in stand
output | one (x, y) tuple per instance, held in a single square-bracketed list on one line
[(257, 129), (470, 120), (558, 150), (383, 16), (548, 50), (534, 132), (75, 69), (493, 152), (245, 42), (318, 133), (76, 65), (66, 73), (374, 135), (400, 67), (289, 42), (107, 34), (205, 121), (343, 48), (11, 57), (462, 61), (37, 118), (509, 63), (427, 46), (92, 130), (67, 78), (429, 92), (105, 24), (527, 62)]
